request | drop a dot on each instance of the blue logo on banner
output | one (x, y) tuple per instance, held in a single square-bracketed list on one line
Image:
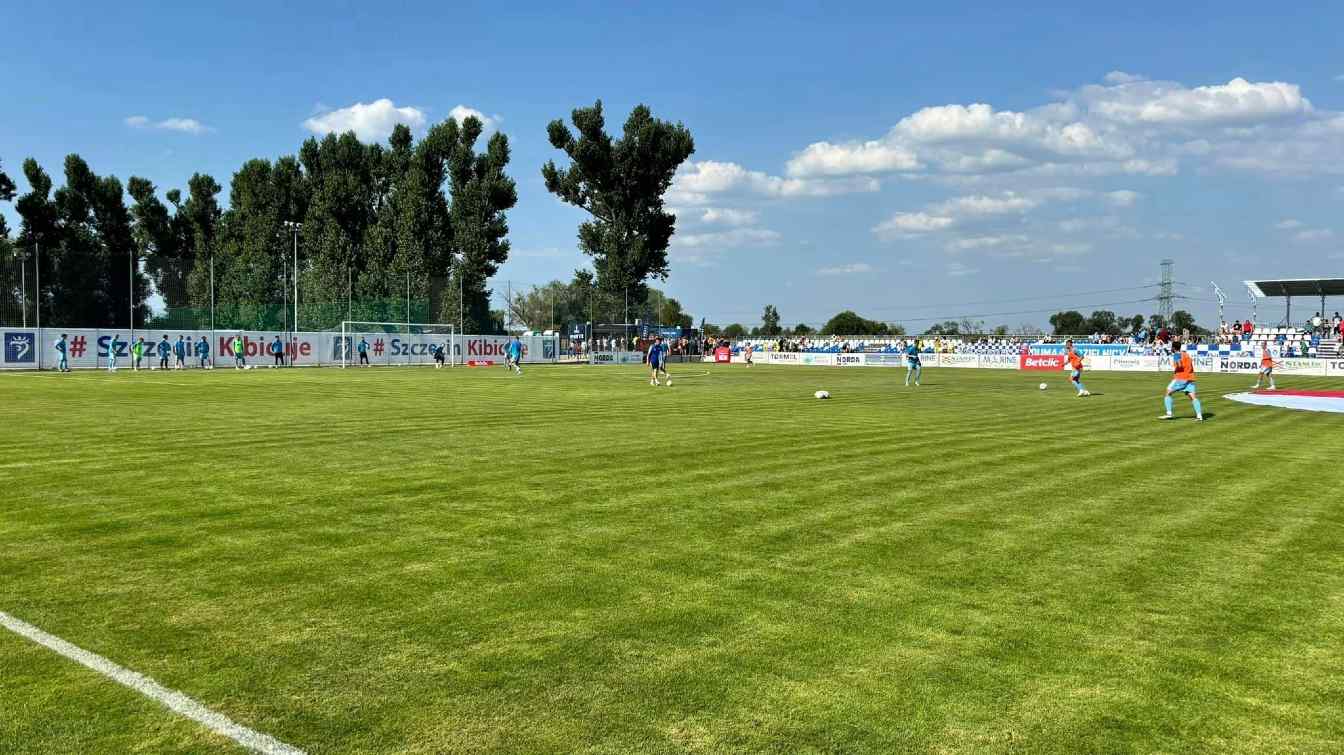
[(19, 347)]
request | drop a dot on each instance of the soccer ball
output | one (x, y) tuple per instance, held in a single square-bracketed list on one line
[(1042, 386), (822, 394)]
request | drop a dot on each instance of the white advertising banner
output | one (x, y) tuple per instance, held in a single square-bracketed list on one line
[(999, 361), (1334, 367), (1287, 366), (89, 348), (957, 360), (1136, 364), (618, 357)]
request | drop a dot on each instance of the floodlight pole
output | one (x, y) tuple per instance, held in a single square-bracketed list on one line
[(130, 290), (23, 283), (37, 273)]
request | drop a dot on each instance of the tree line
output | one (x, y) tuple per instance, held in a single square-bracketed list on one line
[(373, 220), (1106, 322)]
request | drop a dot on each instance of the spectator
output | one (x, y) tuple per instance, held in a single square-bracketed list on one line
[(1316, 323)]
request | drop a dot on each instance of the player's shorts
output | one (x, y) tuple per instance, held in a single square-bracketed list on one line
[(1267, 370), (912, 363), (1181, 386), (655, 365), (1076, 375)]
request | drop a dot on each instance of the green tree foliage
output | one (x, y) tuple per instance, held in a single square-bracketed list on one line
[(1182, 321), (620, 183), (481, 193), (7, 190), (1102, 321), (803, 329), (87, 247), (1068, 323), (159, 240), (946, 328), (734, 331), (560, 305), (770, 321), (848, 323)]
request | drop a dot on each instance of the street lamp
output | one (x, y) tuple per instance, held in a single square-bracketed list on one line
[(22, 256)]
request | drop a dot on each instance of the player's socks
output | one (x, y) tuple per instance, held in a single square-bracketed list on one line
[(1168, 404), (1199, 410)]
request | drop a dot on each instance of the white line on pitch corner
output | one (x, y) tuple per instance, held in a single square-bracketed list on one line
[(169, 698)]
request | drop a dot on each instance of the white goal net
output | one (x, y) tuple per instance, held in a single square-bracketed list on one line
[(394, 344)]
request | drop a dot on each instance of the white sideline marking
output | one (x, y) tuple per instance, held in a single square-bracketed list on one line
[(170, 698)]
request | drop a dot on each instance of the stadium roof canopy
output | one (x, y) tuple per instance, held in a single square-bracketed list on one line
[(1297, 287)]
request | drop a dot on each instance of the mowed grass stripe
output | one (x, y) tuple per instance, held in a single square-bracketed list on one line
[(576, 560)]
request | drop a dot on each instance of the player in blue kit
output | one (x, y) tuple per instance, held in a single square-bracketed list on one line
[(513, 356), (913, 367), (203, 352), (658, 362)]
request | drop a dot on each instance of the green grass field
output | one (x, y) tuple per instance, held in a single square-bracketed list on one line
[(412, 560)]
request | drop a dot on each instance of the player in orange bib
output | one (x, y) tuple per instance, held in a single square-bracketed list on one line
[(1075, 363), (1183, 381), (1267, 365)]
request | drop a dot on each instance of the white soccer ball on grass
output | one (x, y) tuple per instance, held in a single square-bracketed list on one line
[(1042, 386), (822, 394)]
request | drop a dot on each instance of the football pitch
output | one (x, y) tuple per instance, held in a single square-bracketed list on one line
[(418, 560)]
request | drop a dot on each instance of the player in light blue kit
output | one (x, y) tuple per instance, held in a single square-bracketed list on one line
[(913, 367), (513, 355), (63, 351), (113, 346)]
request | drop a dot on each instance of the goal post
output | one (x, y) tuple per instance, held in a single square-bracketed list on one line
[(392, 344)]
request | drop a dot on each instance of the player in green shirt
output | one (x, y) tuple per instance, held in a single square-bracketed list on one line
[(239, 358), (137, 352)]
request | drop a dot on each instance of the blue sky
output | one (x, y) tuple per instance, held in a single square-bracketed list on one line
[(934, 163)]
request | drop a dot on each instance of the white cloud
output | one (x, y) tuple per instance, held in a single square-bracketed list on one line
[(906, 223), (696, 181), (851, 269), (972, 243), (1168, 103), (826, 159), (1287, 224), (728, 216), (731, 239), (1127, 126), (1313, 235), (184, 125), (461, 112), (1006, 203), (370, 122), (1120, 77), (1123, 197), (1077, 247)]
